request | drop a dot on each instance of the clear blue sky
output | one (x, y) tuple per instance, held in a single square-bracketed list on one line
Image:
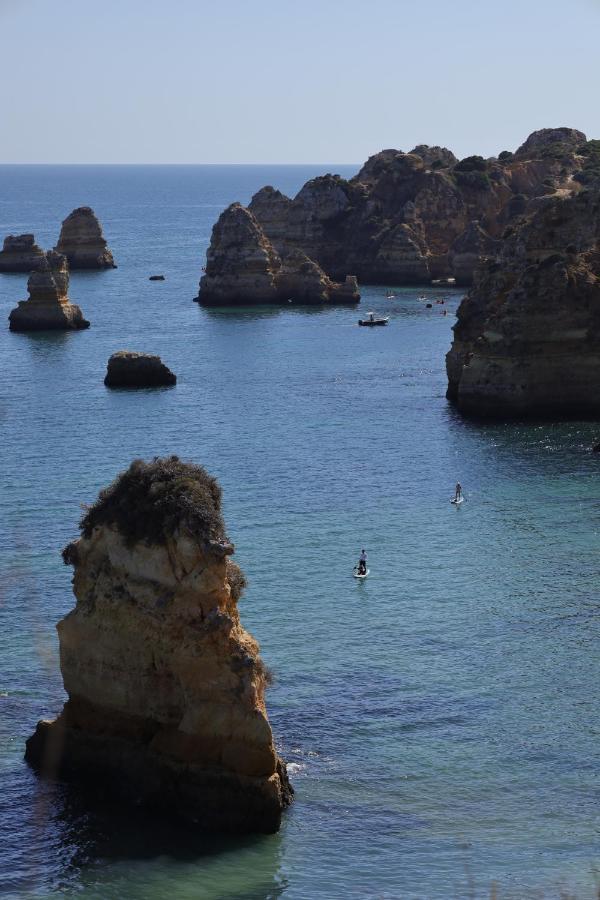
[(248, 81)]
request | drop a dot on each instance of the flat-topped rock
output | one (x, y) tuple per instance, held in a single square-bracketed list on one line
[(137, 370), (166, 689), (48, 307), (20, 253), (82, 241)]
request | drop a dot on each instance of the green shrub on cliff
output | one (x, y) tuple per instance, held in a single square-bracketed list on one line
[(471, 164), (591, 166), (477, 181), (150, 500)]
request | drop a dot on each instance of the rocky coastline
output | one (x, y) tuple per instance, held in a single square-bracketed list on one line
[(404, 219), (243, 267), (527, 334), (165, 687)]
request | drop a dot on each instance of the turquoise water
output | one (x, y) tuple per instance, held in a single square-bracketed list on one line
[(441, 719)]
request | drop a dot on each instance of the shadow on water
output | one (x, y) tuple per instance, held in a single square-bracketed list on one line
[(96, 837), (269, 311)]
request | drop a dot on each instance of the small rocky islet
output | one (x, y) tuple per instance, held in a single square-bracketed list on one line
[(166, 704), (129, 369), (48, 307)]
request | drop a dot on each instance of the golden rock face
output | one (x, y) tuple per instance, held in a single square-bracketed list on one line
[(166, 688)]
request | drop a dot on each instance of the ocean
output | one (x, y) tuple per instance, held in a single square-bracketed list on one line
[(441, 718)]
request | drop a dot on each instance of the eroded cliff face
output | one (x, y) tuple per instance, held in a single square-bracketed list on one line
[(20, 253), (81, 240), (48, 306), (166, 689), (243, 267), (527, 339), (408, 217)]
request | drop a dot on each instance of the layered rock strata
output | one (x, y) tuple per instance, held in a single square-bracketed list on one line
[(136, 370), (82, 241), (527, 339), (242, 267), (48, 306), (165, 688), (20, 254), (408, 218)]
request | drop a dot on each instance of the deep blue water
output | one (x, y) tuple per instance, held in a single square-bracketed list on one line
[(441, 719)]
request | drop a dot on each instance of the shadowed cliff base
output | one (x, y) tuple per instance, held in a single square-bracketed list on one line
[(527, 337), (166, 689)]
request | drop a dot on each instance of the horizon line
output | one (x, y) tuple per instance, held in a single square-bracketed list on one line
[(179, 163)]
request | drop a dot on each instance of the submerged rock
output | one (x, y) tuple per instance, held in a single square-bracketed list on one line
[(128, 369), (527, 338), (165, 687), (243, 267), (48, 306), (20, 254), (82, 242)]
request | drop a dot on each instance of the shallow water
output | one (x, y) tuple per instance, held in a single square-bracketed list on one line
[(441, 718)]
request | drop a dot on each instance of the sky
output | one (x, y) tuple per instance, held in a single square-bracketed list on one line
[(277, 81)]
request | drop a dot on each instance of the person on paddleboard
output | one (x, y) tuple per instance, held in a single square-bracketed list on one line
[(458, 492), (362, 562)]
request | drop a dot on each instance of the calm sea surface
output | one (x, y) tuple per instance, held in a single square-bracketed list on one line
[(441, 719)]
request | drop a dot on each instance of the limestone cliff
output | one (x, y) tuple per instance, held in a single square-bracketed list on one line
[(82, 242), (20, 254), (407, 217), (527, 339), (166, 688), (243, 267), (48, 306)]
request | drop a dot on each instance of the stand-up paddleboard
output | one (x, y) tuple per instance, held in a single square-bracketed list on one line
[(456, 502), (358, 575)]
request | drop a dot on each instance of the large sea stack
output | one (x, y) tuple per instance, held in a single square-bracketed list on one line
[(409, 218), (527, 340), (242, 267), (165, 687), (48, 307), (82, 242), (20, 253)]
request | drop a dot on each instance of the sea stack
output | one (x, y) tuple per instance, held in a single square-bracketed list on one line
[(82, 242), (243, 267), (48, 307), (527, 339), (165, 687), (137, 370), (20, 253)]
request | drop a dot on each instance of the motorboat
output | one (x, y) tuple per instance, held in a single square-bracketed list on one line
[(372, 319)]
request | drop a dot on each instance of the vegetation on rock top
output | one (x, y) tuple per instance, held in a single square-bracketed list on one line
[(151, 500)]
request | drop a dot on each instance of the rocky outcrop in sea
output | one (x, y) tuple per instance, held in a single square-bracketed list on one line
[(20, 253), (409, 218), (137, 370), (527, 339), (243, 267), (82, 241), (48, 306), (166, 704)]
